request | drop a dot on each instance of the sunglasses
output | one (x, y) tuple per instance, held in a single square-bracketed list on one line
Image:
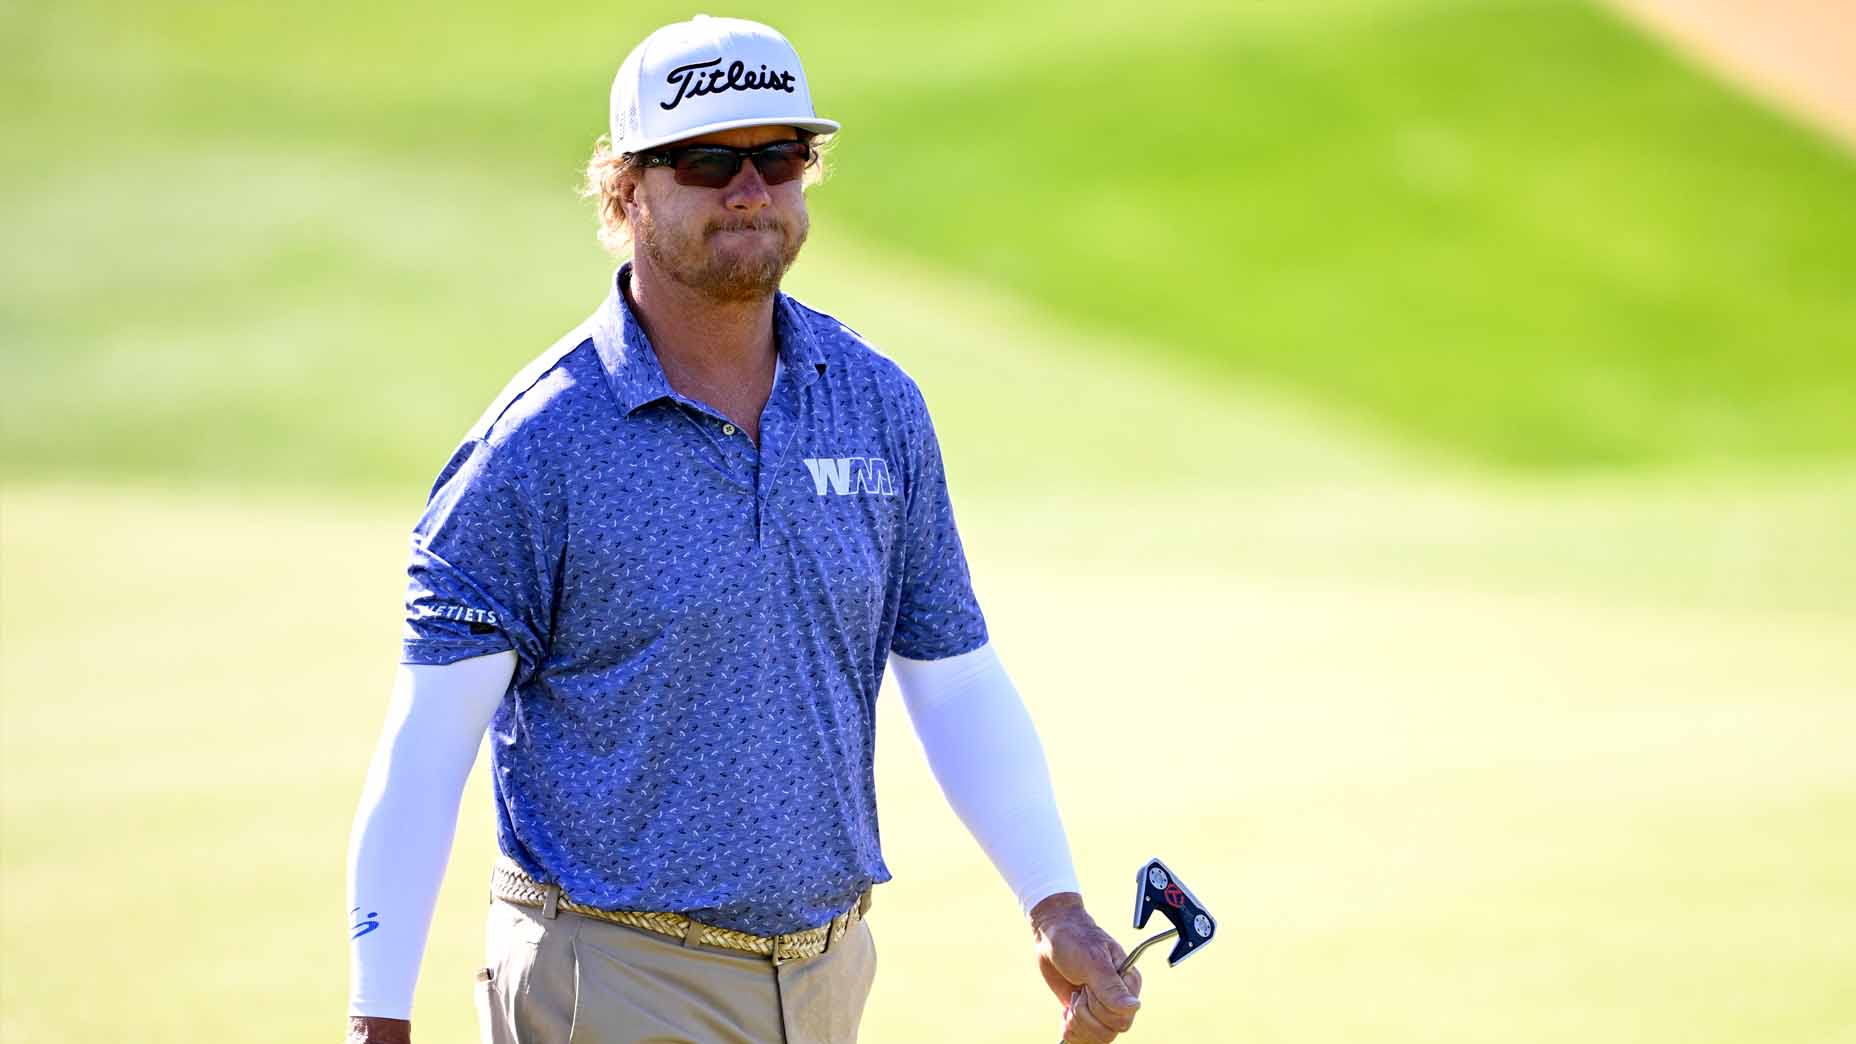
[(714, 166)]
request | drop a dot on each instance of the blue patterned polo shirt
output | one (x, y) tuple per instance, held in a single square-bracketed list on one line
[(700, 625)]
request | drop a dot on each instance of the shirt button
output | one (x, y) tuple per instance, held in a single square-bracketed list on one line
[(728, 429)]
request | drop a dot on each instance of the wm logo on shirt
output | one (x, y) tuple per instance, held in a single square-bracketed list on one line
[(847, 475)]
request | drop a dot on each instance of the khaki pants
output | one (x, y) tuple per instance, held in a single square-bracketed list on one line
[(575, 980)]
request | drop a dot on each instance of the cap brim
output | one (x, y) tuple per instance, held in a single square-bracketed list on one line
[(816, 126)]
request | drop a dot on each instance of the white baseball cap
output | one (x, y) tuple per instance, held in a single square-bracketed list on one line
[(709, 74)]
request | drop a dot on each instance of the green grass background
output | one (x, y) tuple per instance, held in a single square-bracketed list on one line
[(1406, 448)]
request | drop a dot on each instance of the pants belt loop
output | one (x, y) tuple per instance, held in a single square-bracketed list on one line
[(692, 932), (863, 902), (551, 901)]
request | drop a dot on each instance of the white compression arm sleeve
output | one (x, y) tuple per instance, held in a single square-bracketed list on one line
[(409, 812), (985, 753)]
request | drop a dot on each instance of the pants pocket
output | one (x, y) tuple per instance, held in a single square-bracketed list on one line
[(868, 978), (486, 1005), (526, 988)]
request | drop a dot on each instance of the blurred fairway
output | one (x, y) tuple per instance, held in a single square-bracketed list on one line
[(1422, 813), (1406, 448), (1511, 231)]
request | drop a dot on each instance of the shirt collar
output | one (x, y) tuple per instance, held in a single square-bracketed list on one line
[(799, 348), (631, 363)]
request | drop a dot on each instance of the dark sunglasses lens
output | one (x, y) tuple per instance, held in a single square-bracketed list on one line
[(716, 167), (781, 163), (706, 168)]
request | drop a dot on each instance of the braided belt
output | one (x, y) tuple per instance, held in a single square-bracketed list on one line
[(510, 884)]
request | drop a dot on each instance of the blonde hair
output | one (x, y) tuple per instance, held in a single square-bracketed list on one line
[(607, 170)]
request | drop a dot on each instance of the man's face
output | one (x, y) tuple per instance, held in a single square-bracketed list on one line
[(729, 244)]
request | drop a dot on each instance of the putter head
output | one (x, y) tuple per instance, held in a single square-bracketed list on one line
[(1158, 888)]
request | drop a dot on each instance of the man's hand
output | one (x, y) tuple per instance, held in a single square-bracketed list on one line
[(1078, 961), (363, 1029)]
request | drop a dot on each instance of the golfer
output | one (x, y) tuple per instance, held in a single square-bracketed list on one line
[(666, 571)]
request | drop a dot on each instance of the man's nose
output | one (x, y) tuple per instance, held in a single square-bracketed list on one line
[(748, 190)]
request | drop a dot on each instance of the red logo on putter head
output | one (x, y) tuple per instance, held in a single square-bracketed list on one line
[(1174, 897)]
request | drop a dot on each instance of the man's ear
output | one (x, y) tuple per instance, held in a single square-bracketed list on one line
[(628, 193)]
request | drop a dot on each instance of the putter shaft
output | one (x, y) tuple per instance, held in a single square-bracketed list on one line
[(1142, 948)]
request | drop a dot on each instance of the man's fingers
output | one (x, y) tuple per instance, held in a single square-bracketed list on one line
[(1115, 1017), (1085, 1025), (1111, 990), (1106, 1005), (1059, 984)]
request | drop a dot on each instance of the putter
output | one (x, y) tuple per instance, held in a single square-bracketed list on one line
[(1156, 887)]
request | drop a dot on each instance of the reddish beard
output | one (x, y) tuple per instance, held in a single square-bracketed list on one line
[(730, 272)]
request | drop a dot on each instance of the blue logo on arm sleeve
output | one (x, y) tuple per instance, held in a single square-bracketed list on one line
[(363, 926)]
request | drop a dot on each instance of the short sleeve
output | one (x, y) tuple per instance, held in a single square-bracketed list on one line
[(938, 615), (477, 583)]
